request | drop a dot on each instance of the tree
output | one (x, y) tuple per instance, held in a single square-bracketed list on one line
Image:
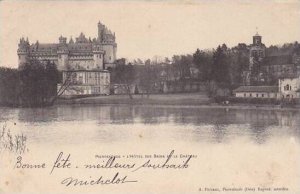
[(9, 86), (125, 75), (220, 70), (38, 83), (203, 62), (182, 64), (148, 78)]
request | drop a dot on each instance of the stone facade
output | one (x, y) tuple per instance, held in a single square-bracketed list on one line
[(83, 53), (84, 82)]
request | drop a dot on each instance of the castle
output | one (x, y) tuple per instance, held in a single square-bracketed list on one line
[(82, 54)]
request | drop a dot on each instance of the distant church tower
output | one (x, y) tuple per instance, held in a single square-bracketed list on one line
[(256, 54), (257, 50)]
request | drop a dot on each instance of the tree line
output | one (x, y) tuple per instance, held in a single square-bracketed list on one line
[(33, 84), (222, 67)]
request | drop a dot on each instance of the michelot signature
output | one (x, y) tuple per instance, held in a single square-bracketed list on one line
[(64, 161)]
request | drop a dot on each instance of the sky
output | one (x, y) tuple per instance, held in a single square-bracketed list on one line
[(149, 28)]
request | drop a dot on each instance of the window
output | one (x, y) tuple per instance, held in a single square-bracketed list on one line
[(262, 95), (287, 87), (80, 79), (256, 95)]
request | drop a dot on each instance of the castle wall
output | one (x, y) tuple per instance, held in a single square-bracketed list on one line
[(22, 59), (109, 56), (98, 60), (63, 60), (81, 63), (85, 53)]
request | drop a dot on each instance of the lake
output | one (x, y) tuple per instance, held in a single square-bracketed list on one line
[(253, 147), (116, 123)]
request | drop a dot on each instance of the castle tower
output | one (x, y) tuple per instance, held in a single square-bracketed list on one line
[(23, 51), (108, 41), (98, 54), (101, 28), (110, 48), (63, 54)]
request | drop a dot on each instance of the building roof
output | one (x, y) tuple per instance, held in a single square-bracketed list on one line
[(80, 47), (43, 47), (87, 70), (256, 89)]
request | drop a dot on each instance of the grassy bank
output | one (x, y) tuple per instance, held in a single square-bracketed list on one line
[(159, 99), (182, 99)]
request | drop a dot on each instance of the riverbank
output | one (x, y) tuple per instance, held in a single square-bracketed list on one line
[(182, 100), (138, 99)]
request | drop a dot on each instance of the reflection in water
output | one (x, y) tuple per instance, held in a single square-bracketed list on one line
[(180, 123)]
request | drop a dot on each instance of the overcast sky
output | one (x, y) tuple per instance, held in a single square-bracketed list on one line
[(148, 28)]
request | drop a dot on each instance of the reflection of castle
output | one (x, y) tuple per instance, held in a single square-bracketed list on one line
[(83, 53)]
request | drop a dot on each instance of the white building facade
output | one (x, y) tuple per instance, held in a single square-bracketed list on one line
[(84, 83), (256, 92), (289, 87)]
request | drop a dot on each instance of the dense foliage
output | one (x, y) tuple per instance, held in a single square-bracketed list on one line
[(33, 84), (222, 67)]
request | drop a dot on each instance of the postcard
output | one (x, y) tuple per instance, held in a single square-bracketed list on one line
[(150, 97)]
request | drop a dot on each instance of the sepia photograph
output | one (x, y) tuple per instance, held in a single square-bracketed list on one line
[(149, 97)]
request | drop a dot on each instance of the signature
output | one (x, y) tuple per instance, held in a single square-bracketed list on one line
[(115, 180)]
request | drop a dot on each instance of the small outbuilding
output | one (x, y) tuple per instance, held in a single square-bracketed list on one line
[(256, 92)]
